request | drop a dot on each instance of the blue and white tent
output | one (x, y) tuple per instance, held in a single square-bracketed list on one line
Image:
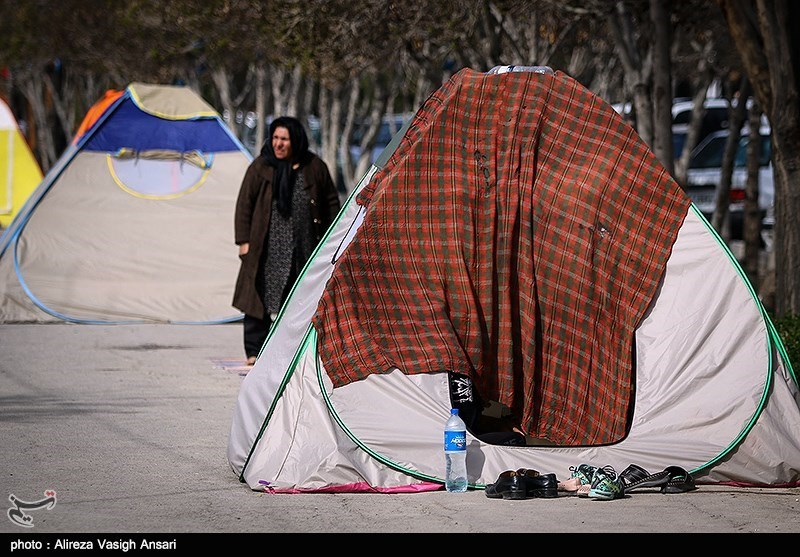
[(134, 223)]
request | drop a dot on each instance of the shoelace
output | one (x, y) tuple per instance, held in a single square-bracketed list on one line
[(606, 484), (584, 472)]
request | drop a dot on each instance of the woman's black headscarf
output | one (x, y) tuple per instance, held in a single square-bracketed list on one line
[(285, 173)]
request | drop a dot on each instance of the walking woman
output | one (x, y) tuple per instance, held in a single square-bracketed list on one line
[(286, 203)]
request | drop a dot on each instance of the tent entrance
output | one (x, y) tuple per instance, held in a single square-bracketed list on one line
[(141, 173)]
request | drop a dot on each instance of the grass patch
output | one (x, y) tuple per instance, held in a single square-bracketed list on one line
[(788, 328)]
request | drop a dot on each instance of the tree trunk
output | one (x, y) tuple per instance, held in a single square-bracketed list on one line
[(752, 214), (330, 124), (638, 69), (692, 134), (59, 106), (769, 44), (721, 217), (347, 133), (662, 84), (293, 96), (277, 80), (787, 233), (220, 77), (261, 106), (32, 90)]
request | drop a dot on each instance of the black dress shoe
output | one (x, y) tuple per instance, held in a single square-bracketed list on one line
[(508, 486), (523, 484), (542, 485)]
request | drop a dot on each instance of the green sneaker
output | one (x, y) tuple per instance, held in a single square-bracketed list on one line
[(583, 473), (606, 485)]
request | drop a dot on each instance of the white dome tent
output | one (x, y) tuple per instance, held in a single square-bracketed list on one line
[(344, 396)]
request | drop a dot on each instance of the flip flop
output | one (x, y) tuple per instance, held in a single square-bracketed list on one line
[(636, 477), (679, 481), (571, 485)]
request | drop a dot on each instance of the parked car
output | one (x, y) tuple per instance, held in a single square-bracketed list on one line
[(704, 174), (715, 118)]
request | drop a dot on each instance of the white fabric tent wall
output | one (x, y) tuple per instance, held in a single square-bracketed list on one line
[(708, 375)]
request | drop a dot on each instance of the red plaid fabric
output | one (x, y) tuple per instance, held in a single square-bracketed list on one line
[(517, 235)]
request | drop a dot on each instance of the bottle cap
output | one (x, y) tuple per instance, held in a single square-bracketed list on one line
[(454, 411)]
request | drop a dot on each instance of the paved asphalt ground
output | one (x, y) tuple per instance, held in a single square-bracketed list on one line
[(129, 426)]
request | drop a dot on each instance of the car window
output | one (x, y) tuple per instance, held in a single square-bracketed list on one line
[(710, 155), (682, 117), (715, 118), (766, 151)]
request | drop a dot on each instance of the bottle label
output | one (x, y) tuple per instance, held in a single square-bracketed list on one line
[(455, 440)]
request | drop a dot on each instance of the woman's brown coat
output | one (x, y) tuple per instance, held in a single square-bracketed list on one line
[(251, 221)]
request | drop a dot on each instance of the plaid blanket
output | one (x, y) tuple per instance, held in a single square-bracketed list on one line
[(517, 235)]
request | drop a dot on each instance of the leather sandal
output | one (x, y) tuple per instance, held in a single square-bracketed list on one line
[(678, 480), (636, 477), (583, 490)]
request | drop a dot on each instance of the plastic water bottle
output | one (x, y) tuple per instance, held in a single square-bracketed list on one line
[(455, 453)]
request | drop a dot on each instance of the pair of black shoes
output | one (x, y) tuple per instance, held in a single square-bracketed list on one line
[(523, 484)]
